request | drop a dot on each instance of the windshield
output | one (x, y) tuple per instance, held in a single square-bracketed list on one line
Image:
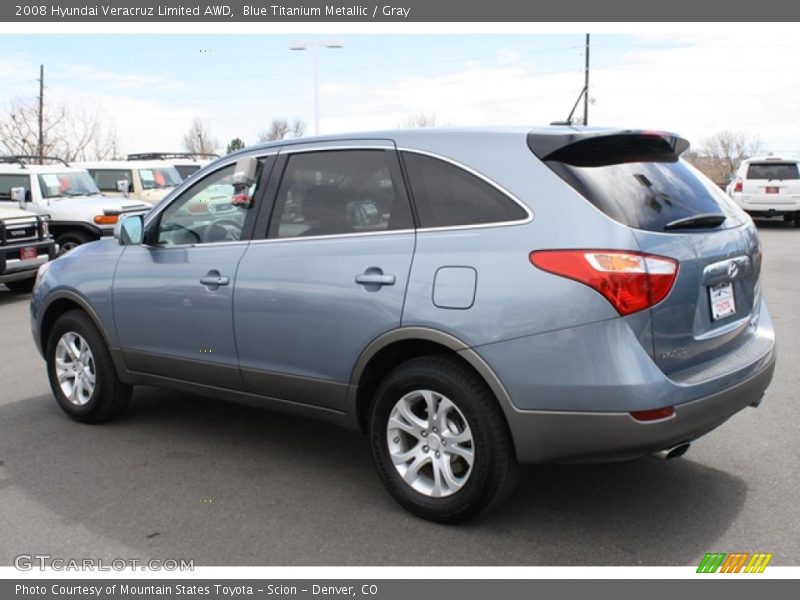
[(68, 184), (159, 177)]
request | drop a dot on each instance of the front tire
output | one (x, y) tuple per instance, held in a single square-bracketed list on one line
[(71, 240), (21, 286), (81, 371), (440, 442)]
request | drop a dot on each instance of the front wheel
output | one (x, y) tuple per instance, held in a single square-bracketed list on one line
[(439, 440), (81, 372)]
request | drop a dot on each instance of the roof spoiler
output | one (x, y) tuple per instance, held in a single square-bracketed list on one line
[(582, 147)]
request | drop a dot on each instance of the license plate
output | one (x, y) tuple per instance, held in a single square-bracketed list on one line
[(28, 253), (772, 190), (722, 301)]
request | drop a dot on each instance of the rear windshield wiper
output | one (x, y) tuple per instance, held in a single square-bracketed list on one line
[(697, 221)]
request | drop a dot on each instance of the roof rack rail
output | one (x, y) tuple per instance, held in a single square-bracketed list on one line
[(168, 155), (25, 159)]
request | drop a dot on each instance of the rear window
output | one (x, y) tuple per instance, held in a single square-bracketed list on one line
[(448, 196), (640, 182), (773, 170)]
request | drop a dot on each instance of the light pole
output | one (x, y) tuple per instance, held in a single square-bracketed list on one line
[(315, 46)]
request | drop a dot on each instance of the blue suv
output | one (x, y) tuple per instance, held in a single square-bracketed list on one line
[(470, 299)]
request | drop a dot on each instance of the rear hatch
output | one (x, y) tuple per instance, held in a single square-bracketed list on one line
[(771, 182), (638, 179)]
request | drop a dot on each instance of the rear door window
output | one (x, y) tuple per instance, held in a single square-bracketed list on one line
[(773, 170), (640, 182), (446, 195), (337, 192), (107, 179)]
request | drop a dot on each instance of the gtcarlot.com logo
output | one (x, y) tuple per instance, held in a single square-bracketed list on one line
[(29, 562), (735, 562)]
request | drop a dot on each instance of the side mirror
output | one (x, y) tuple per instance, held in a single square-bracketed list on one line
[(124, 186), (244, 176), (18, 196), (129, 230)]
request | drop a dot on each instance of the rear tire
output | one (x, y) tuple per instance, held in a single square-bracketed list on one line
[(453, 465), (21, 286), (81, 371), (797, 219)]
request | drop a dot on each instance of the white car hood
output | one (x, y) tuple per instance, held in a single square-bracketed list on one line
[(97, 203)]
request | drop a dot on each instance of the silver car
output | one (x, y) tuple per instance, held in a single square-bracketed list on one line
[(470, 299)]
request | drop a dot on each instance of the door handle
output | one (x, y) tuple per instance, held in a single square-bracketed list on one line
[(373, 278), (213, 280)]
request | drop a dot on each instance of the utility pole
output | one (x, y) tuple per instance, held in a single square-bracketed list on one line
[(41, 112), (586, 86)]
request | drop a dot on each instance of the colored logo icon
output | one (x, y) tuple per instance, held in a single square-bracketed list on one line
[(735, 562)]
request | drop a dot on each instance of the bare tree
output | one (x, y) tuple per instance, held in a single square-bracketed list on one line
[(721, 154), (420, 119), (198, 139), (71, 133), (280, 129)]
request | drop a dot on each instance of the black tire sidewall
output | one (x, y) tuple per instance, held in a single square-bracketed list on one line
[(473, 495)]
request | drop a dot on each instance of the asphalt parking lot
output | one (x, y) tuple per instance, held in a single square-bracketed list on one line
[(181, 476)]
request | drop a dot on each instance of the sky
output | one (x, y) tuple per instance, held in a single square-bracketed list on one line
[(151, 87)]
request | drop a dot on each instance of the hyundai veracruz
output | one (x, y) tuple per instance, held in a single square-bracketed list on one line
[(470, 299)]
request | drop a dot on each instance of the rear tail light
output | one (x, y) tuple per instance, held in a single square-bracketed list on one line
[(737, 187), (630, 281)]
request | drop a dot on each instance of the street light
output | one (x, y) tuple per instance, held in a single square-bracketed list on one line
[(315, 46)]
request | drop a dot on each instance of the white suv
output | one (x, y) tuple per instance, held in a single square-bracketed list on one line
[(186, 163), (78, 212), (768, 187), (148, 180)]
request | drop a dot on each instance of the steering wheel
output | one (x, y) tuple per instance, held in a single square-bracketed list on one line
[(223, 230), (180, 235)]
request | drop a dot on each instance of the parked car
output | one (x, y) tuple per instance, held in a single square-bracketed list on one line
[(768, 186), (186, 163), (469, 299), (78, 212), (25, 244), (147, 180)]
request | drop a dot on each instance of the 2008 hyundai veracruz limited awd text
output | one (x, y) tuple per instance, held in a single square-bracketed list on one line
[(469, 299)]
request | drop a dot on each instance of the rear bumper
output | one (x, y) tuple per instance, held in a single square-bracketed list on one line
[(765, 203), (570, 392), (542, 436)]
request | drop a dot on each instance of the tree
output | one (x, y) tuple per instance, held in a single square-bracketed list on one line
[(420, 119), (234, 145), (70, 133), (280, 129), (198, 139), (721, 154)]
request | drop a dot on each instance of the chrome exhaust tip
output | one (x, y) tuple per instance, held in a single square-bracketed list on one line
[(674, 452)]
